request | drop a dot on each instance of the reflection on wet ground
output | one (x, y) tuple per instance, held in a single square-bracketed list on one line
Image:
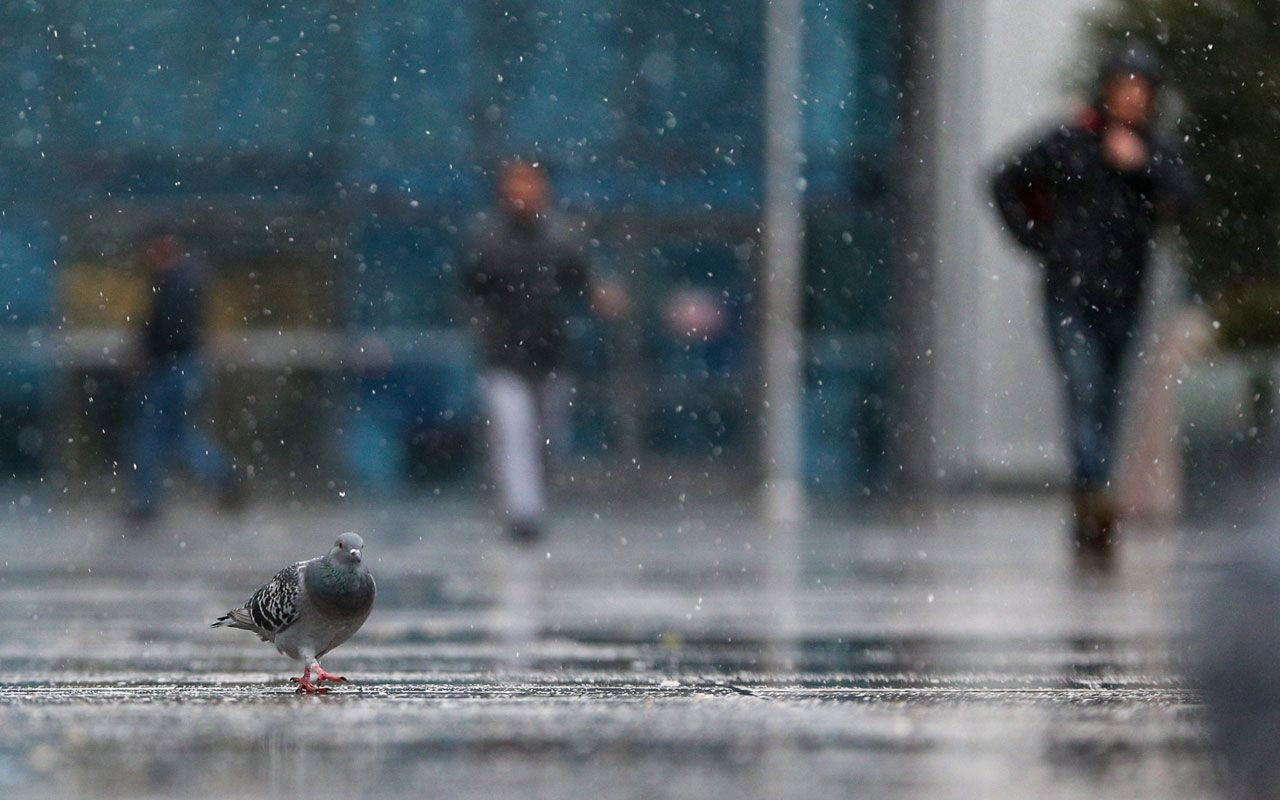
[(657, 653)]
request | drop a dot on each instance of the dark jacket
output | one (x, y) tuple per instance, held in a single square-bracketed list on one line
[(1090, 224), (524, 278), (174, 326)]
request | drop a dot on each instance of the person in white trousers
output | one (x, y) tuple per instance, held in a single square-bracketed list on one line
[(526, 423), (525, 268)]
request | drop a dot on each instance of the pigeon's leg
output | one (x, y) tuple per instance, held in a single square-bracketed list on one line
[(304, 683), (322, 676)]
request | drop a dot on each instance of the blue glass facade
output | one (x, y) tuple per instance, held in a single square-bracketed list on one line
[(382, 119)]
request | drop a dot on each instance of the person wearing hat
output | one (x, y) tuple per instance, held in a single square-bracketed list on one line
[(1084, 200)]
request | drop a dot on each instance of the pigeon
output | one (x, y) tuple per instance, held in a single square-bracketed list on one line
[(309, 608)]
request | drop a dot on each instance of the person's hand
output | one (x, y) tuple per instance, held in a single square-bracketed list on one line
[(609, 300), (1123, 149)]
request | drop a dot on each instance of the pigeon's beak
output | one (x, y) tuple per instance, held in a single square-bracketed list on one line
[(355, 554)]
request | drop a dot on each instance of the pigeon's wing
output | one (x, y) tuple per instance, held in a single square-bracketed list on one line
[(272, 608)]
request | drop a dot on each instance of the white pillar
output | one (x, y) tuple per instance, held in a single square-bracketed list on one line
[(782, 422), (1002, 75)]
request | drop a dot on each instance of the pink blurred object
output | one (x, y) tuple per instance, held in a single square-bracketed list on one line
[(694, 314), (1149, 482)]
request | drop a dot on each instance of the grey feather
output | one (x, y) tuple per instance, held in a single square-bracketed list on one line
[(271, 609)]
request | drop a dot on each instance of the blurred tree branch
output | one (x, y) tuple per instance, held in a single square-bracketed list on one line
[(1222, 57)]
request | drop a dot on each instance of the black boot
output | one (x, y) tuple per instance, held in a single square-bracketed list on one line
[(525, 532), (1094, 526)]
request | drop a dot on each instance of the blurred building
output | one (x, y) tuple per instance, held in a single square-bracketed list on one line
[(327, 156), (981, 388)]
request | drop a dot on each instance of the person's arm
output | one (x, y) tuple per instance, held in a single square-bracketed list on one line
[(476, 277), (573, 272), (1021, 190), (607, 298), (1173, 185)]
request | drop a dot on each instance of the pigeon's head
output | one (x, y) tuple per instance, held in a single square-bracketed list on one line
[(347, 550)]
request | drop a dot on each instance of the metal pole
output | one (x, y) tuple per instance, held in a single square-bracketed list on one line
[(783, 336)]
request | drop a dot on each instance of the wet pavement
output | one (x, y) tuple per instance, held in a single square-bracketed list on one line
[(639, 653)]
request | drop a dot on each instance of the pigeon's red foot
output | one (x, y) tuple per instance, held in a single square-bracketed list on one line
[(305, 686), (322, 676)]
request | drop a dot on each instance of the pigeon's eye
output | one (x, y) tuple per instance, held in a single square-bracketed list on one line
[(341, 546)]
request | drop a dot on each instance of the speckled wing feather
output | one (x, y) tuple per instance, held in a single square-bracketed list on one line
[(272, 608)]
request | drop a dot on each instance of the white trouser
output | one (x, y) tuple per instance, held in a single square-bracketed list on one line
[(525, 415)]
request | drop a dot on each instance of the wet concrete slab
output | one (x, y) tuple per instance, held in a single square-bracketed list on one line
[(643, 652)]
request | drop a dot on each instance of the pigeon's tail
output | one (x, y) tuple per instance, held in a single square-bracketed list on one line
[(238, 618)]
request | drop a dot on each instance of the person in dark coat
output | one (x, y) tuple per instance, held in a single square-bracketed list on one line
[(525, 269), (1085, 200), (168, 410)]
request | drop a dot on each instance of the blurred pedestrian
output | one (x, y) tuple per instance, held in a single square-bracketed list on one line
[(1085, 199), (168, 419), (525, 269)]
